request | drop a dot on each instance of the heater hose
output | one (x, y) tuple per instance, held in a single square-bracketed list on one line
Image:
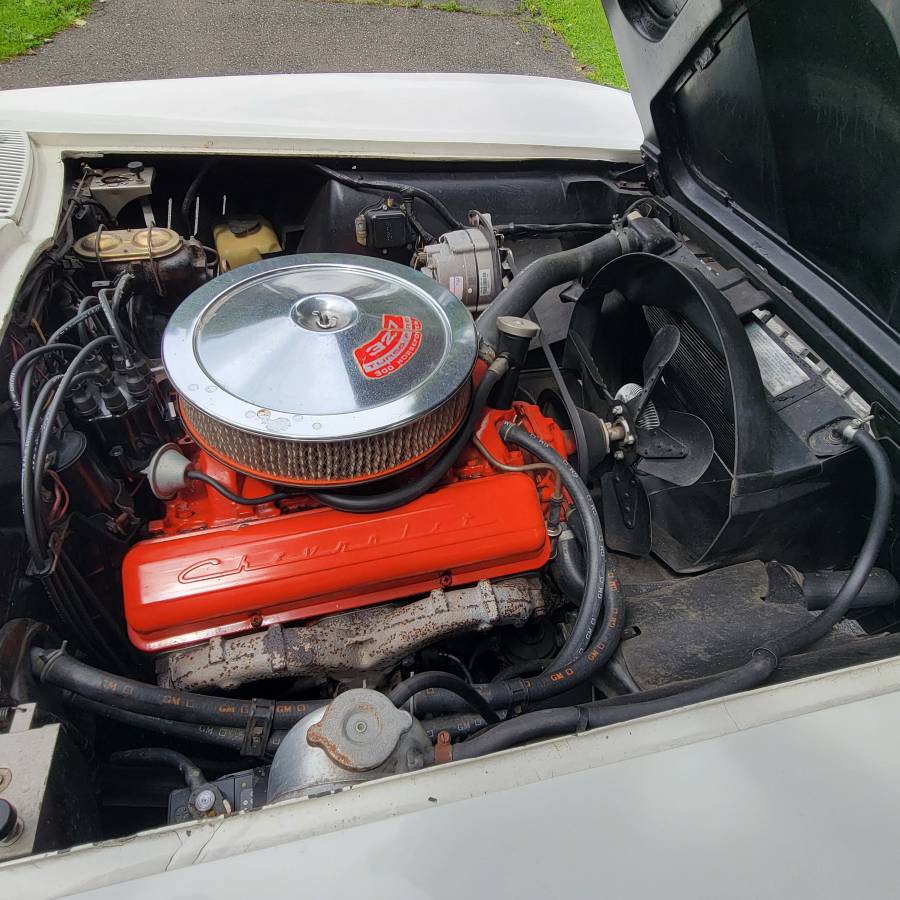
[(762, 663)]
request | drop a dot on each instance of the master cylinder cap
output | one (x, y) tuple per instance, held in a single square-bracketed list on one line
[(321, 369)]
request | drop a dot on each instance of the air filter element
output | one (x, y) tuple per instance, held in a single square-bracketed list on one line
[(322, 369)]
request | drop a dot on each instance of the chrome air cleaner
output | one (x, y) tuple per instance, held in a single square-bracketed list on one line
[(321, 369)]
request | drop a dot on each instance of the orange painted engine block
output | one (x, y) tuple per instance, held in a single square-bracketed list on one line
[(218, 568)]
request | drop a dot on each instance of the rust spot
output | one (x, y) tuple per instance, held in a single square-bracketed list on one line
[(443, 749), (315, 738), (446, 579), (256, 620)]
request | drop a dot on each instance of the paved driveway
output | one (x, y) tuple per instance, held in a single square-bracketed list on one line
[(135, 39)]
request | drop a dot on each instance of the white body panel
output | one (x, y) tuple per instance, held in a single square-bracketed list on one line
[(452, 117), (411, 116), (787, 791)]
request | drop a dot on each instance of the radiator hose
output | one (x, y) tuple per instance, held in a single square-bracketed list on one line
[(589, 647), (119, 692), (549, 272), (762, 663)]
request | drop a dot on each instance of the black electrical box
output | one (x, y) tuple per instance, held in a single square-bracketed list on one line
[(386, 228)]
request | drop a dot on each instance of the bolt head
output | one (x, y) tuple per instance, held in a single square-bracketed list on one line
[(629, 439), (8, 820), (619, 454), (204, 800), (618, 410)]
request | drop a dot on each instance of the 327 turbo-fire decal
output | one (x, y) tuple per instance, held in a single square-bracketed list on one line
[(392, 348)]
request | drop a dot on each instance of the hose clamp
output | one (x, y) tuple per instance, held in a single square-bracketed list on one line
[(518, 693), (852, 427), (259, 727), (583, 720), (48, 661), (766, 651)]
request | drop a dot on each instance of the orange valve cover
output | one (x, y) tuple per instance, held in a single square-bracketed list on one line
[(189, 587)]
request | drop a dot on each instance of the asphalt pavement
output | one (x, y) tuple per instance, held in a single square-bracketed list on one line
[(125, 40)]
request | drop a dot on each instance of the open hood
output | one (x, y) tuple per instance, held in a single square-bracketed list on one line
[(778, 124)]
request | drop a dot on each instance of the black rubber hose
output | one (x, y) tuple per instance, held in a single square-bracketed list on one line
[(228, 494), (565, 720), (430, 680), (458, 726), (407, 190), (762, 663), (569, 668), (191, 193), (526, 667), (595, 548), (64, 671), (548, 272), (221, 736), (369, 503), (162, 756), (515, 692), (567, 567), (813, 631), (582, 660), (516, 228)]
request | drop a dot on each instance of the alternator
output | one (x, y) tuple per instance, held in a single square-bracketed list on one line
[(467, 263)]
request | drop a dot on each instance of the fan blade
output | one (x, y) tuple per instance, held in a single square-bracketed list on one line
[(626, 511), (661, 350), (679, 451)]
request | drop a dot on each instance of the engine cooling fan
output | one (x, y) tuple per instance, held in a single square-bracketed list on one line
[(670, 445)]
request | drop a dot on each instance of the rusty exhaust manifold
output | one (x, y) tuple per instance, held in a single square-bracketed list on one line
[(354, 644)]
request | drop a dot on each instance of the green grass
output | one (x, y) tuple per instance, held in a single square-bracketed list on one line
[(25, 23), (582, 25)]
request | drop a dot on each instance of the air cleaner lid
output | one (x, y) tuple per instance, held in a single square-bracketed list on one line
[(319, 346)]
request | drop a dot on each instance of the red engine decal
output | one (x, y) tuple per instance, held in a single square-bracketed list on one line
[(392, 348)]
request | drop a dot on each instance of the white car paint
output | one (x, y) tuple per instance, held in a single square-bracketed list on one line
[(430, 116), (498, 117), (785, 791)]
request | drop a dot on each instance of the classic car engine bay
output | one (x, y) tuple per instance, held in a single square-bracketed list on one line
[(314, 474)]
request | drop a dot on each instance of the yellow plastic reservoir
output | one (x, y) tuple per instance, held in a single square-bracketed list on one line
[(243, 240)]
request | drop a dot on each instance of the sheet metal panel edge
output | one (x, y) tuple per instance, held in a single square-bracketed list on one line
[(361, 115), (835, 733)]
